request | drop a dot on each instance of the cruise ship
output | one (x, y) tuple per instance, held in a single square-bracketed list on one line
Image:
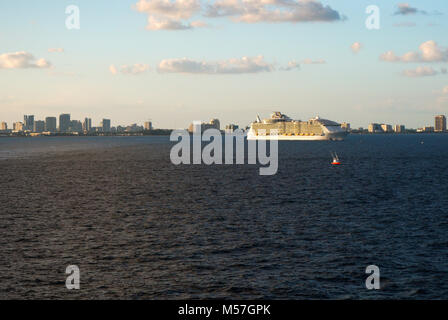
[(288, 129)]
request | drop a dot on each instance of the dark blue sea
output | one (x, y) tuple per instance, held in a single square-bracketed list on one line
[(139, 227)]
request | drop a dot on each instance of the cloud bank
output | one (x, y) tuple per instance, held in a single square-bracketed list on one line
[(22, 60), (176, 14), (430, 51), (405, 9), (273, 11), (292, 65), (170, 15), (420, 72), (229, 66), (311, 61), (129, 69)]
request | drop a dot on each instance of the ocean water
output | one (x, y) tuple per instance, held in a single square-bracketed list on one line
[(139, 227)]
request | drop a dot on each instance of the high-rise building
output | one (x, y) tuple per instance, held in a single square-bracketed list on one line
[(213, 124), (39, 126), (375, 128), (399, 128), (3, 126), (148, 126), (87, 125), (386, 128), (28, 122), (75, 126), (440, 124), (50, 124), (345, 126), (134, 128), (18, 126), (105, 124), (64, 122)]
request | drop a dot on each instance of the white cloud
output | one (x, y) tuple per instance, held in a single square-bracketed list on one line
[(22, 60), (274, 11), (310, 61), (445, 90), (176, 14), (160, 23), (356, 47), (113, 69), (429, 52), (54, 50), (170, 15), (177, 9), (405, 9), (129, 69), (420, 72), (230, 66), (291, 66)]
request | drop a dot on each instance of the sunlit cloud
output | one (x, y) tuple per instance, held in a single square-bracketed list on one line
[(405, 9), (356, 47), (176, 14), (170, 15), (229, 66), (310, 61), (430, 51), (22, 60), (420, 72), (273, 11), (445, 90), (129, 69), (292, 65)]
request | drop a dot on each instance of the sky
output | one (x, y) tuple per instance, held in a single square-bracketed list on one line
[(173, 62)]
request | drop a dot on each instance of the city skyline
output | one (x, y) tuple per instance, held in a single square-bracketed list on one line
[(323, 62), (66, 125)]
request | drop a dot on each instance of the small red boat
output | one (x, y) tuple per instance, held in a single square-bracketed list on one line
[(335, 159)]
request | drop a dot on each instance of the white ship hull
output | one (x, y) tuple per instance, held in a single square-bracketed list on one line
[(295, 130), (327, 137)]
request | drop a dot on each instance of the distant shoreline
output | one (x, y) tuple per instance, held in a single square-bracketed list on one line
[(158, 132), (167, 133)]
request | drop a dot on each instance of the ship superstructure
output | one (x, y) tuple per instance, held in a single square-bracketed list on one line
[(288, 129)]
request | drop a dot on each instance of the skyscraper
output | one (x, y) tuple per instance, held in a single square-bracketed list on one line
[(64, 122), (440, 124), (386, 128), (75, 126), (18, 126), (375, 128), (215, 124), (39, 126), (87, 125), (4, 126), (148, 126), (399, 128), (50, 124), (105, 124), (345, 126), (28, 122)]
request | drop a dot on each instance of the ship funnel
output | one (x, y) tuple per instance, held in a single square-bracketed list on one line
[(258, 119)]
